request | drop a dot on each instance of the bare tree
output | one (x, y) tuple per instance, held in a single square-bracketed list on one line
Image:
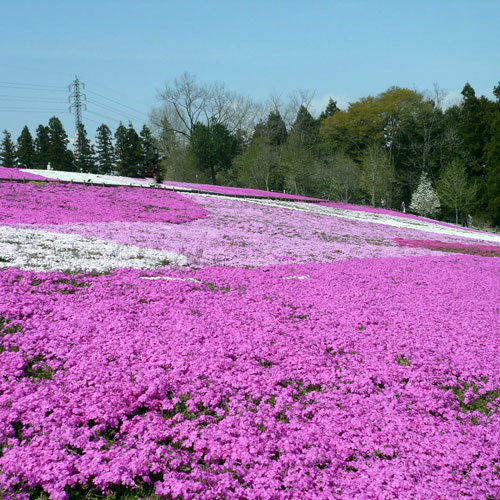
[(187, 102)]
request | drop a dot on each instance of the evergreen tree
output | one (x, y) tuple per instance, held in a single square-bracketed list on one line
[(59, 156), (26, 149), (128, 145), (84, 152), (276, 129), (305, 128), (7, 151), (424, 200), (330, 110), (42, 147), (214, 148), (105, 150), (133, 152), (120, 146), (150, 157)]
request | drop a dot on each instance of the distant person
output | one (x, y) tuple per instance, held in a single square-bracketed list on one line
[(323, 195), (403, 207), (469, 220), (382, 203)]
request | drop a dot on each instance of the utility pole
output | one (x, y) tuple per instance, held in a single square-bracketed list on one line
[(75, 99)]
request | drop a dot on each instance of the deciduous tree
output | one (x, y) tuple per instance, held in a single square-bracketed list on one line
[(377, 174), (424, 200), (454, 189)]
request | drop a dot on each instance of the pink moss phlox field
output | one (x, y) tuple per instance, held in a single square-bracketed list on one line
[(15, 173), (443, 246), (375, 378), (235, 191), (242, 233), (63, 203)]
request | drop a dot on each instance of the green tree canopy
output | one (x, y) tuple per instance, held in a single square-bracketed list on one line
[(214, 148), (26, 149), (454, 189), (59, 156), (105, 154), (7, 151), (42, 147), (84, 152), (150, 156), (330, 110), (305, 128)]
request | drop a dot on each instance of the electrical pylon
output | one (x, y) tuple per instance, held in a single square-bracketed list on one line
[(75, 99)]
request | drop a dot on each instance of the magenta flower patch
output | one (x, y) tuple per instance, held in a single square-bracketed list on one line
[(64, 203), (375, 378), (15, 173), (455, 247)]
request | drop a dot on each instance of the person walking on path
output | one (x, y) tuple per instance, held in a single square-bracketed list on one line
[(403, 207)]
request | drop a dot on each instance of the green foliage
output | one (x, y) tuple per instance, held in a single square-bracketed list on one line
[(257, 166), (150, 156), (214, 148), (305, 128), (128, 149), (339, 177), (105, 152), (42, 147), (492, 181), (59, 156), (298, 166), (275, 129), (455, 190), (330, 110), (26, 149), (84, 152), (7, 151), (377, 174)]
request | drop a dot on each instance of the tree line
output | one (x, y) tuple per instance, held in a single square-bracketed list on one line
[(398, 146), (126, 153)]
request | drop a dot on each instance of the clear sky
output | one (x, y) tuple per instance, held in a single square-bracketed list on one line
[(127, 50)]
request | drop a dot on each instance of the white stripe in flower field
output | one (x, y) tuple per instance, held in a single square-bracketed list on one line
[(377, 218), (100, 179), (46, 251)]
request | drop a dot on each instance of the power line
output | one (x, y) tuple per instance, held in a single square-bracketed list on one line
[(116, 102), (50, 110), (115, 110), (104, 116), (33, 85), (30, 88), (29, 98)]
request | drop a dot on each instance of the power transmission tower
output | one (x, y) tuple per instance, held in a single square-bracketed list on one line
[(75, 99)]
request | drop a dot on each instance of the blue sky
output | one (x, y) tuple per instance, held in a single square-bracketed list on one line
[(126, 51)]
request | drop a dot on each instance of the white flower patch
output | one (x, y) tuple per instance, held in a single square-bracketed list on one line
[(47, 251), (304, 277), (115, 180)]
